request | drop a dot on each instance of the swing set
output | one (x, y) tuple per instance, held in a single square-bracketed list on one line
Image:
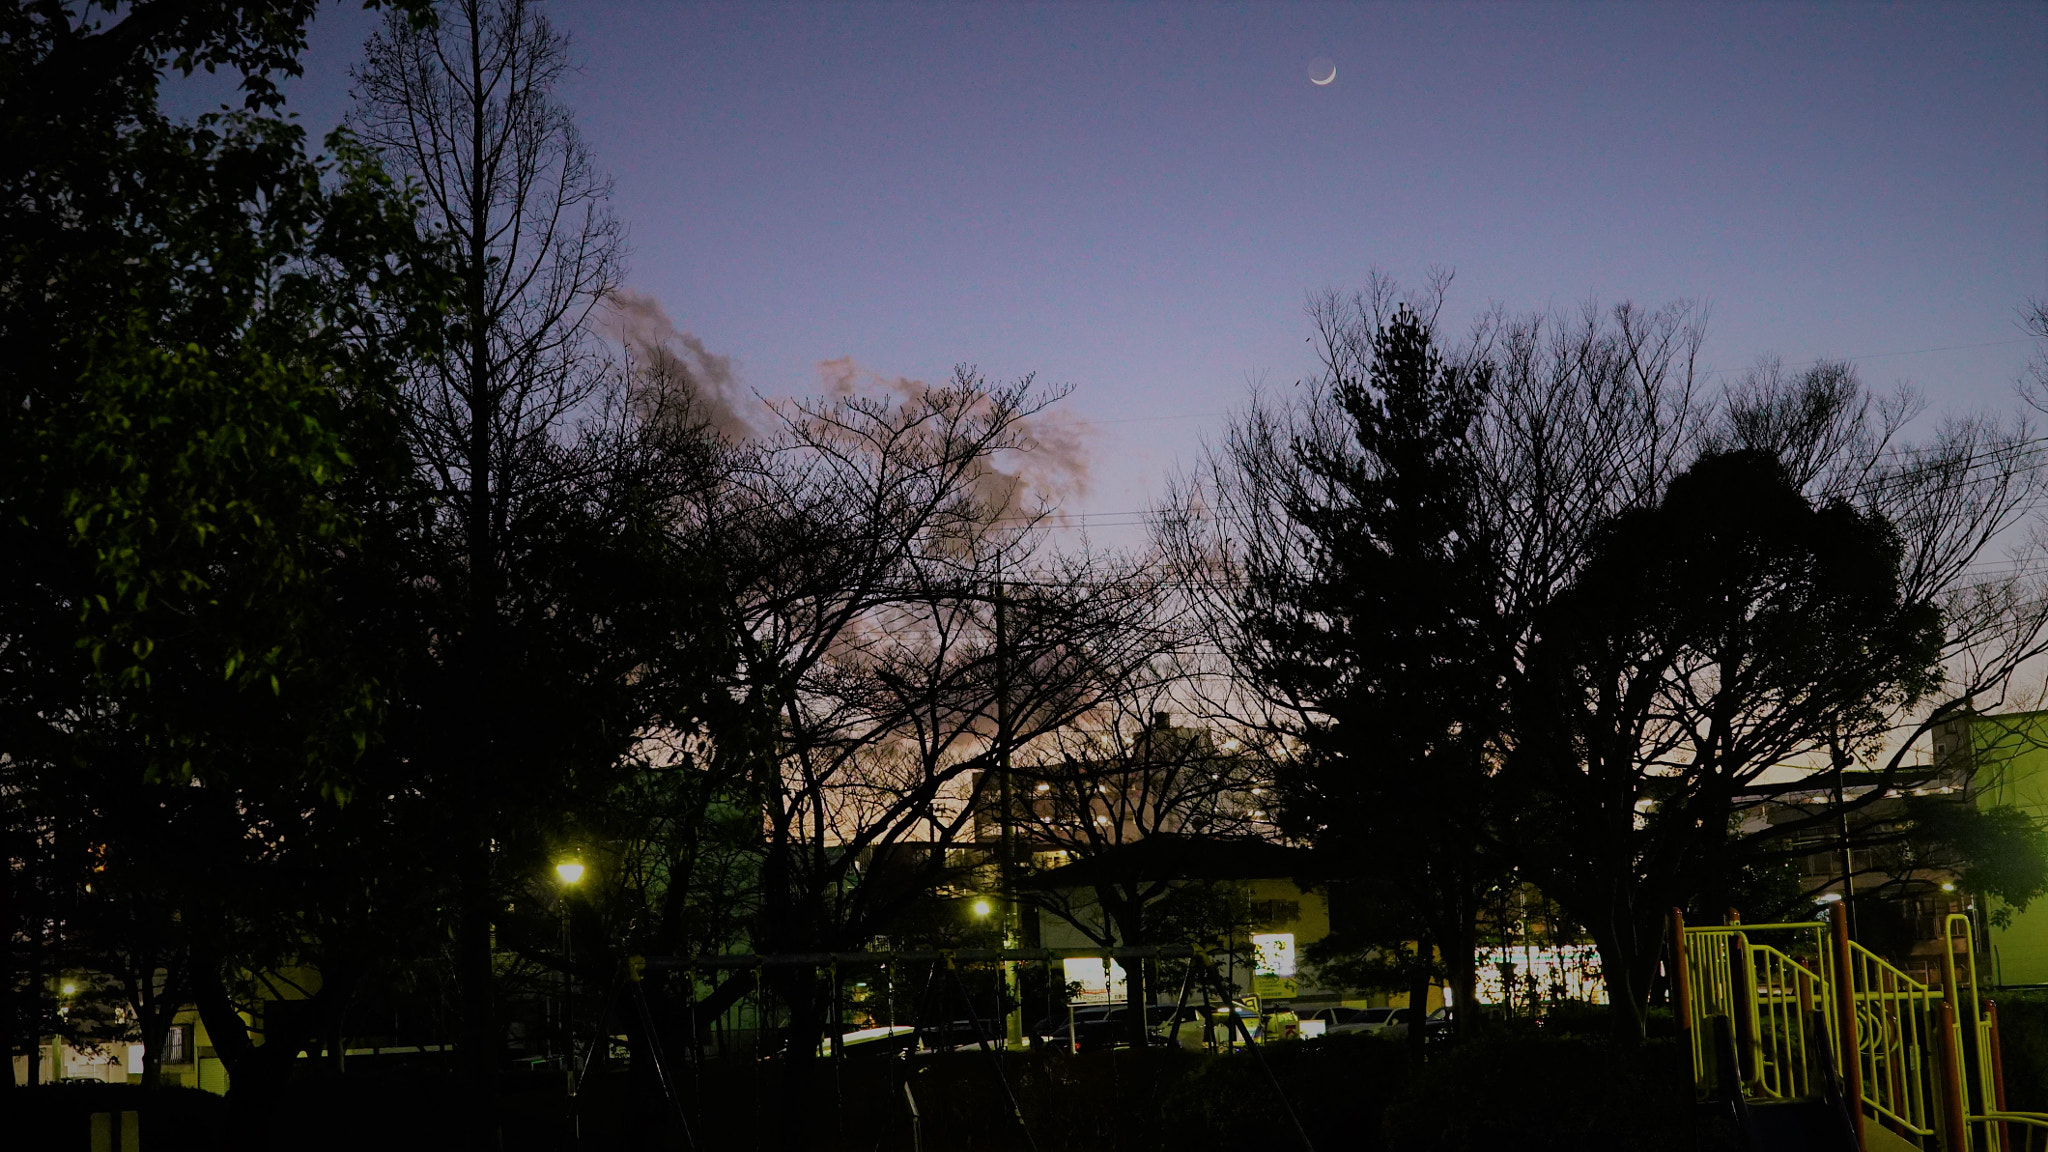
[(931, 1027)]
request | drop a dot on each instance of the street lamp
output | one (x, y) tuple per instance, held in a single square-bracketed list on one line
[(981, 908), (569, 873)]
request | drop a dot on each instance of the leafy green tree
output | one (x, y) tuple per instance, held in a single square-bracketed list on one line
[(185, 379), (1720, 633)]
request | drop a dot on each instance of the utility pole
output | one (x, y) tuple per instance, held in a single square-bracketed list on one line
[(1013, 1020), (1841, 759)]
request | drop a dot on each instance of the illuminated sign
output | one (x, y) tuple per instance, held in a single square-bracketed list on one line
[(1275, 952), (1273, 966)]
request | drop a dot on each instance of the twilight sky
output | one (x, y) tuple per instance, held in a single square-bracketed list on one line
[(1136, 199)]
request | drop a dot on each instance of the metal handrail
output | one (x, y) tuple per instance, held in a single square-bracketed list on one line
[(1908, 1050), (2012, 1131), (1781, 1008), (1896, 1028), (1775, 1062)]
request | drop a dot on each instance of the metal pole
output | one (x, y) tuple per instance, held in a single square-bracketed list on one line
[(1997, 1074), (1013, 1018), (1681, 994), (1230, 1010), (1956, 1134), (1848, 1048), (569, 1030), (1841, 759)]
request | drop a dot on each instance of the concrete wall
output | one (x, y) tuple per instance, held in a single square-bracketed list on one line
[(2011, 760)]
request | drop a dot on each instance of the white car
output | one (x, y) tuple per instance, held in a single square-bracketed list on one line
[(1343, 1020), (1437, 1023), (866, 1040)]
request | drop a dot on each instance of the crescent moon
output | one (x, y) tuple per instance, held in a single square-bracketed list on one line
[(1322, 71)]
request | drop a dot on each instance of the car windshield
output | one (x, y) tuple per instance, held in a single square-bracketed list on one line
[(1373, 1015)]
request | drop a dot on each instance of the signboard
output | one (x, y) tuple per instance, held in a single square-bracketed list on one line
[(1270, 987), (1273, 965)]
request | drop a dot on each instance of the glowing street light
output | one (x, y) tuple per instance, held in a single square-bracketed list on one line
[(571, 871), (981, 908)]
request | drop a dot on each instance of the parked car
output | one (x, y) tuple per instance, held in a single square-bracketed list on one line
[(1340, 1020), (1227, 1034), (956, 1034), (1103, 1026), (1438, 1023), (1083, 1028), (888, 1039)]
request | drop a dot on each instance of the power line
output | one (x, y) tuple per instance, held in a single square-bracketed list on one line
[(1154, 417)]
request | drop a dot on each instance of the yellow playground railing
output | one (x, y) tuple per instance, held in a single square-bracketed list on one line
[(1774, 1008)]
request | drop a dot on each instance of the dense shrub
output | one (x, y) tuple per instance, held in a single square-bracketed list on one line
[(2023, 1040), (1536, 1092), (1524, 1088), (1338, 1086), (59, 1116)]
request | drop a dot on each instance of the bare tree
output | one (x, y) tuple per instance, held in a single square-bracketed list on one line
[(1306, 534), (899, 624), (465, 108), (1589, 419), (1132, 807), (1683, 727)]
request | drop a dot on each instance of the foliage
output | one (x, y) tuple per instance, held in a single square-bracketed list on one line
[(2000, 852), (1723, 631), (189, 382), (2023, 1047), (1542, 1092), (1379, 621)]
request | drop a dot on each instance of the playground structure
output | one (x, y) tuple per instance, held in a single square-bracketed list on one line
[(1771, 1010)]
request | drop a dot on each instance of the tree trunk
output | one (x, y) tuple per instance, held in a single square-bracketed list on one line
[(475, 976), (1626, 991), (1464, 975), (800, 1126), (254, 1079), (1460, 968), (11, 1017), (1418, 1004)]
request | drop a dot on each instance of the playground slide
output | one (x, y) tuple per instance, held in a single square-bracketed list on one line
[(1799, 1126)]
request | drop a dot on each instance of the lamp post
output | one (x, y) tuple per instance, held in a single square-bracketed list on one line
[(570, 873)]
